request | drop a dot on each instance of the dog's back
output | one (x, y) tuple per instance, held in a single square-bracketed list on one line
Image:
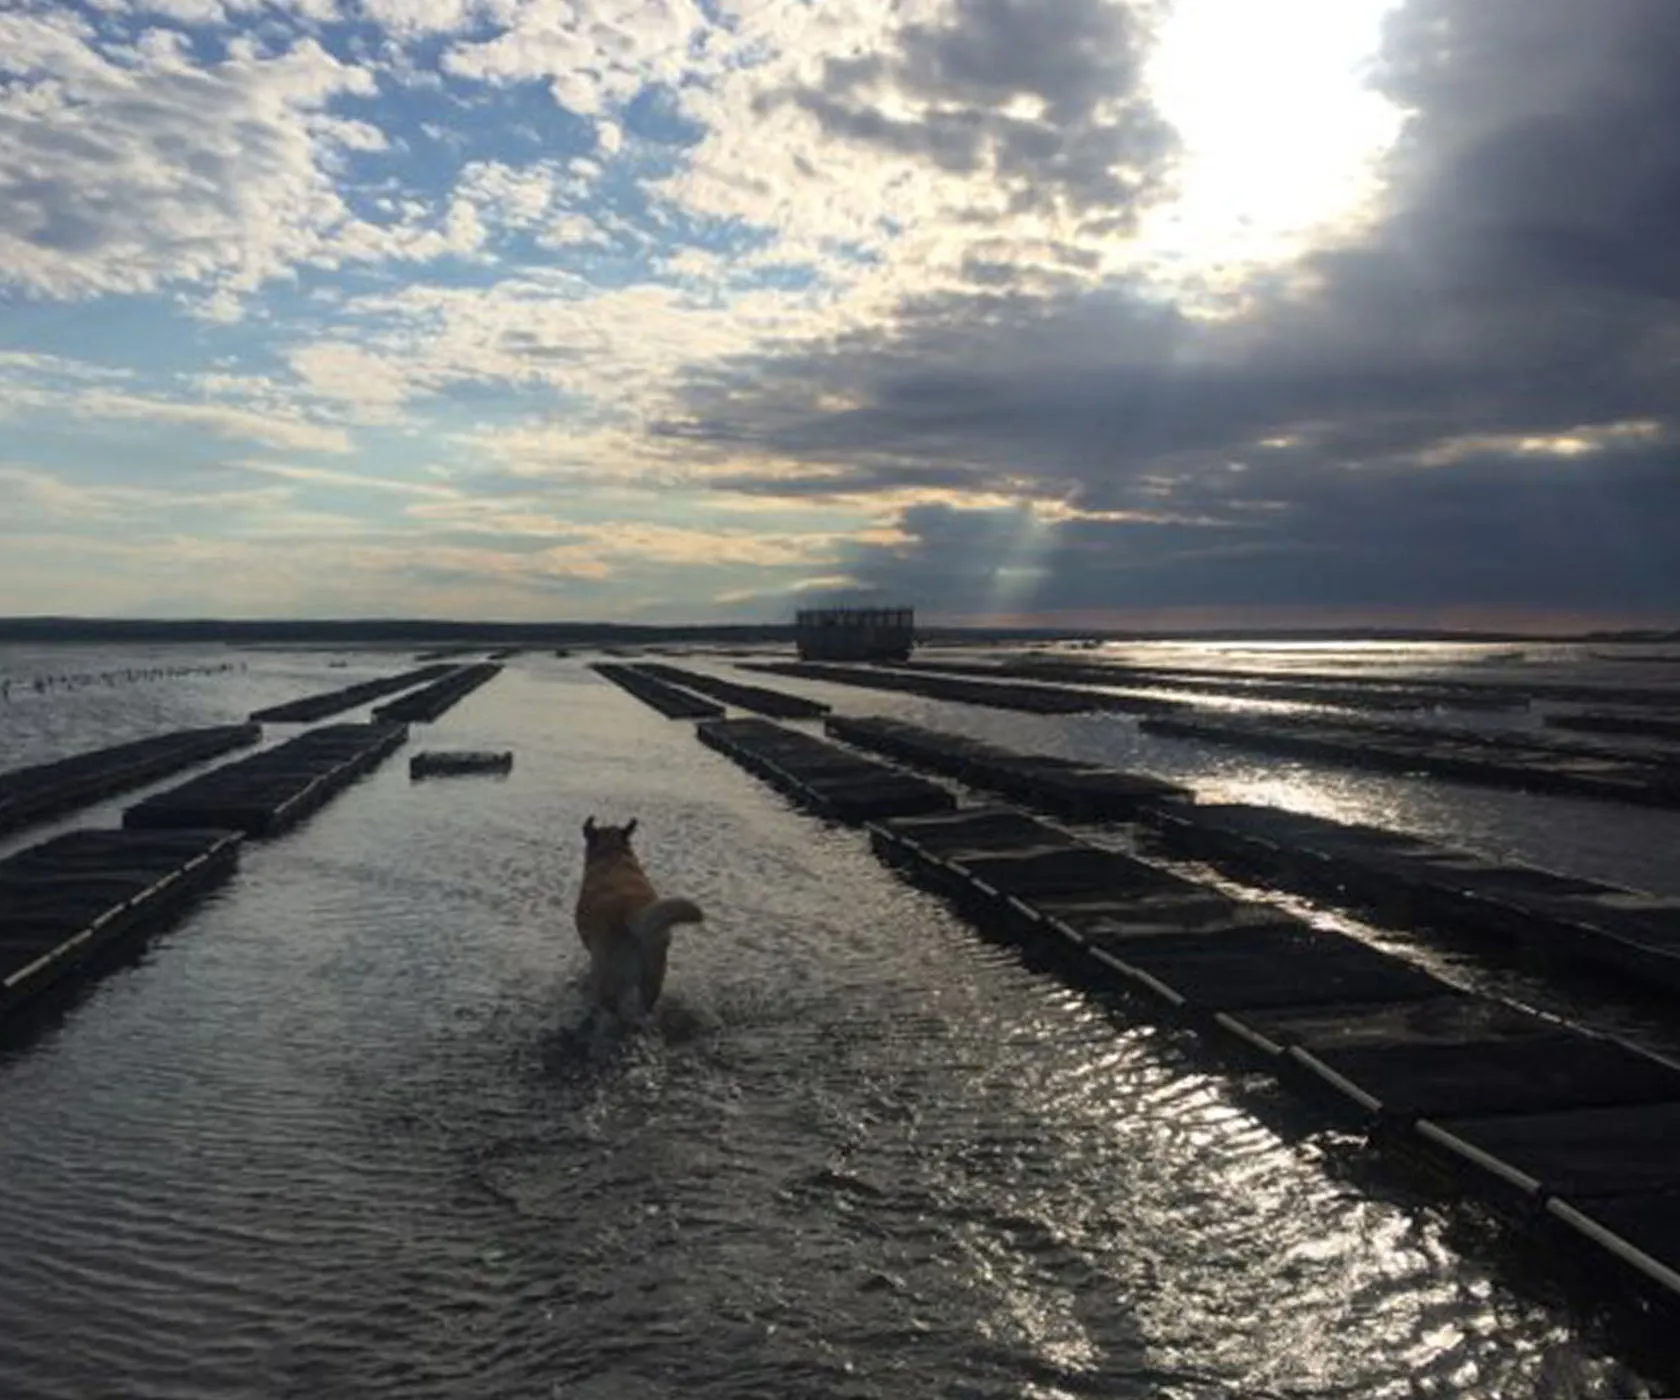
[(623, 922), (614, 888)]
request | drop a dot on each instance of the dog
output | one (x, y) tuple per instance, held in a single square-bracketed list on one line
[(624, 924)]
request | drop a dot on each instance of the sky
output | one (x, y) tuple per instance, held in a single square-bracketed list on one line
[(1128, 313)]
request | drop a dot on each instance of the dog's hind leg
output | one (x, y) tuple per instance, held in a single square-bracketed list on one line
[(620, 981), (651, 928), (654, 960), (633, 1005)]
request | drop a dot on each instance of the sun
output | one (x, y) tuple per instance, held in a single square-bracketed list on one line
[(1280, 133)]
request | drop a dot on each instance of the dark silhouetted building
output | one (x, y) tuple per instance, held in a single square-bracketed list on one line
[(855, 634)]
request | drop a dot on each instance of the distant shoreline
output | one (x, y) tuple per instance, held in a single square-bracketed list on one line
[(420, 631)]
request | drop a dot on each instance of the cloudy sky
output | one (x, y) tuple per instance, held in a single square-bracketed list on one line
[(1170, 312)]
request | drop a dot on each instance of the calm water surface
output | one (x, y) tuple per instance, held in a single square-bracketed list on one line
[(340, 1130)]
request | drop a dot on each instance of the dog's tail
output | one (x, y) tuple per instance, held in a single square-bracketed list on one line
[(661, 916)]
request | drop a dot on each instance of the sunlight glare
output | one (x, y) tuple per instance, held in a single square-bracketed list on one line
[(1280, 134)]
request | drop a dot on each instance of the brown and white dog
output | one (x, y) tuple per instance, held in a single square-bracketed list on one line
[(624, 924)]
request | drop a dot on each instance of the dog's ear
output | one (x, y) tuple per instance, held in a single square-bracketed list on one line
[(630, 829), (589, 828)]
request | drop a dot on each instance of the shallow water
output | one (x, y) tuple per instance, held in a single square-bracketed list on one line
[(343, 1130)]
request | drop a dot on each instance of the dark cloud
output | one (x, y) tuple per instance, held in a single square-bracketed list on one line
[(1573, 538), (1545, 145), (1094, 146), (1356, 437)]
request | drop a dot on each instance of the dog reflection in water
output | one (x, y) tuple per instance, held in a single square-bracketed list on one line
[(625, 925)]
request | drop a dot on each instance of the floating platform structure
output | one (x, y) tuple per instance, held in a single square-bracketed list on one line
[(45, 790), (854, 634), (333, 702), (1532, 765), (1643, 724), (439, 763), (269, 791), (1407, 880), (1069, 786), (777, 704), (999, 695), (441, 695), (1399, 879), (820, 776), (1532, 1112), (71, 898), (1182, 941), (671, 701), (67, 899), (1567, 1128)]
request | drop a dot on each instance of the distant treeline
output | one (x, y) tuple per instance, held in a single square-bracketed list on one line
[(401, 631), (422, 632)]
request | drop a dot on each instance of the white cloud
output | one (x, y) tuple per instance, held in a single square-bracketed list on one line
[(867, 223), (132, 170), (515, 196), (214, 13), (353, 481), (628, 542), (126, 175), (19, 365), (195, 12), (574, 230), (594, 56), (276, 428), (412, 18), (347, 374), (616, 349), (247, 407), (885, 150), (48, 496), (314, 11)]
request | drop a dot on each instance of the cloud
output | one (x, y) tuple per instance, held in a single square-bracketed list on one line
[(190, 12), (516, 196), (284, 430), (614, 544), (350, 481), (1543, 148), (124, 173), (57, 391), (895, 283), (133, 168), (1042, 100), (1487, 363), (594, 56), (38, 495), (411, 19), (18, 364), (349, 374), (1566, 540), (612, 350), (307, 566)]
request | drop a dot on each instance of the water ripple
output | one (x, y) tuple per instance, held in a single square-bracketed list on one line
[(346, 1131)]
